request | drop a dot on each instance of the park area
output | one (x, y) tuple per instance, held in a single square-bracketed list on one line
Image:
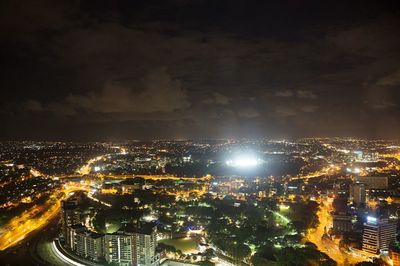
[(186, 245)]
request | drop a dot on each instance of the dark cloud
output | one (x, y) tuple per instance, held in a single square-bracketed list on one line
[(284, 110), (159, 93), (309, 108), (217, 98), (305, 94), (32, 105), (199, 68), (284, 93), (248, 112)]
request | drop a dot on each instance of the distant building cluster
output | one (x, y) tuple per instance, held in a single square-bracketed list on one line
[(340, 193)]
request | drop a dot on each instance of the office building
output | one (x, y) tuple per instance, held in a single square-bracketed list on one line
[(358, 194), (373, 182), (342, 222), (378, 234)]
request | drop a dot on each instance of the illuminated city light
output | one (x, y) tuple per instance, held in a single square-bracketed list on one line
[(239, 188), (173, 133), (246, 161), (284, 207), (149, 218), (372, 220)]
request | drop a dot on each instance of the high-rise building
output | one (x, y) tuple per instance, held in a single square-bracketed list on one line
[(118, 248), (72, 231), (358, 194), (91, 245), (145, 244), (342, 222), (378, 234), (70, 215), (85, 243), (133, 245)]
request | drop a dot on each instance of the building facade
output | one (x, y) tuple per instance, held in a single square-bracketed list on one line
[(145, 244), (374, 182), (70, 215), (130, 245), (378, 234), (85, 243), (358, 194), (342, 222), (133, 245), (118, 248)]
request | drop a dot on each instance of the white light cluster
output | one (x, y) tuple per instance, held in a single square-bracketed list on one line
[(243, 162), (355, 170), (372, 220)]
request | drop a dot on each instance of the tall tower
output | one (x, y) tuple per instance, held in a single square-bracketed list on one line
[(358, 194), (118, 248), (70, 215), (378, 234), (145, 244)]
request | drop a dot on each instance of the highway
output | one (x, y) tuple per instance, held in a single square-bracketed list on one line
[(35, 218), (27, 252)]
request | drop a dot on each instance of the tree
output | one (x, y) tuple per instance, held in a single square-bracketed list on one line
[(239, 251), (258, 260), (302, 256), (209, 253)]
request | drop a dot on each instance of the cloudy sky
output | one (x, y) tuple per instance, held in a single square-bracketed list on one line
[(115, 70)]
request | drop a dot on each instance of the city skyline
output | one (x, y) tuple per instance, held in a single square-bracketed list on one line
[(200, 133), (315, 201)]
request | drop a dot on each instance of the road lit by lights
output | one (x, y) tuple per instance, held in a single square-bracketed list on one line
[(35, 218), (87, 168), (90, 196), (327, 246), (154, 177), (331, 170), (35, 172)]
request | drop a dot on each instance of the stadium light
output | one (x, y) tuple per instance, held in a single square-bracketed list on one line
[(243, 161)]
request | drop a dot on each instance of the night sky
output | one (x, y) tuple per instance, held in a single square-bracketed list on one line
[(117, 70)]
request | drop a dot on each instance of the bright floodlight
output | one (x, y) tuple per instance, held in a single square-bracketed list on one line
[(245, 161), (372, 220)]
